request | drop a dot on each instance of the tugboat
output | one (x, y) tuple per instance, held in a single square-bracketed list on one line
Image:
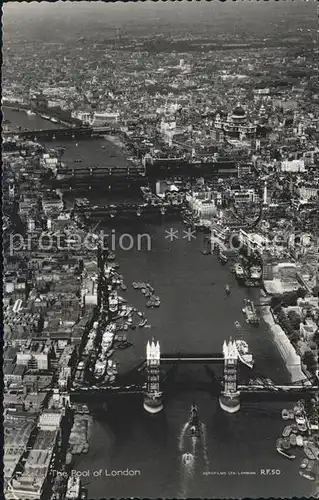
[(301, 421), (188, 458), (206, 252), (279, 446), (285, 414), (223, 259), (287, 431), (239, 273), (306, 469), (194, 423)]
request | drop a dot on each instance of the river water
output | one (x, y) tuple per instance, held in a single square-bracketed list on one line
[(195, 316)]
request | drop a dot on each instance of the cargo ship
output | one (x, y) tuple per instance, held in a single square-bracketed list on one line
[(107, 338), (73, 488), (91, 340), (244, 353), (250, 312), (100, 366), (254, 277), (113, 302)]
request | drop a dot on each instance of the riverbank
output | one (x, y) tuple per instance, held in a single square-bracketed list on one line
[(38, 114), (284, 346)]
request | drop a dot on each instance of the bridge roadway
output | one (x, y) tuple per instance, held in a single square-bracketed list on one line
[(129, 211), (98, 174), (284, 393), (192, 358), (52, 134), (124, 206)]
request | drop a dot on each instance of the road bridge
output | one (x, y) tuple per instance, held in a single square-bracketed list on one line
[(227, 388), (98, 172), (51, 134), (72, 132), (130, 211)]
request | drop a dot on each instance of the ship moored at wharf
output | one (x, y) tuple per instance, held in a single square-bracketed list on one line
[(250, 312)]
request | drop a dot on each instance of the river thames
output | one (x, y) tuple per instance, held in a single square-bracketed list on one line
[(195, 316)]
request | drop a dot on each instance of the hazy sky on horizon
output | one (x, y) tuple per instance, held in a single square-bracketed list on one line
[(184, 9), (61, 20)]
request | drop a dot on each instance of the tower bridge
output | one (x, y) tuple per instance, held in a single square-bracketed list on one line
[(229, 391)]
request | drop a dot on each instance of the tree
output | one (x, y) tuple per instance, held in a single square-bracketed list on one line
[(294, 337), (309, 360), (316, 337), (295, 319), (275, 301), (290, 298), (301, 292)]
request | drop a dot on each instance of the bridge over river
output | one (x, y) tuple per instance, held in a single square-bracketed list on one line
[(129, 211), (156, 384), (60, 133)]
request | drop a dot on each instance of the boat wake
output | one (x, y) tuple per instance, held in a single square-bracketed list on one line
[(187, 473), (182, 436), (187, 447), (204, 443), (187, 468), (193, 450)]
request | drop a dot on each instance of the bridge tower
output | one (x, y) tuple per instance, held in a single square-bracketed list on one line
[(153, 396), (229, 399)]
